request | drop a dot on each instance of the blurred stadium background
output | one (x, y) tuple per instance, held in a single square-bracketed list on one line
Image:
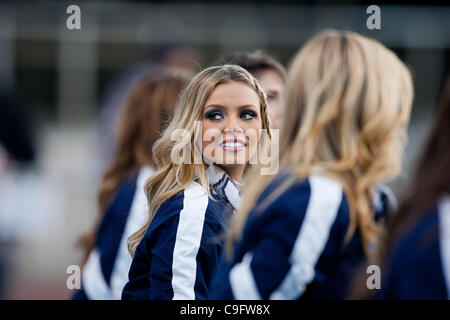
[(60, 91)]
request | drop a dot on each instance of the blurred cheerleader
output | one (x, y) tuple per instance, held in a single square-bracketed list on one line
[(197, 187), (417, 264), (121, 198), (301, 233)]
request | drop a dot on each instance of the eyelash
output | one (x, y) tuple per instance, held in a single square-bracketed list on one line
[(251, 113), (212, 114)]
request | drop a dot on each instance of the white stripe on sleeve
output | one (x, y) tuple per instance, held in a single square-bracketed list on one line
[(323, 206), (242, 283), (136, 219), (187, 242), (94, 282)]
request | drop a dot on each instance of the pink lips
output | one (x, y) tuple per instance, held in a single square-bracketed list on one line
[(233, 145)]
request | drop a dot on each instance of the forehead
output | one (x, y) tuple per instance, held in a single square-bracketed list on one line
[(270, 80), (233, 94)]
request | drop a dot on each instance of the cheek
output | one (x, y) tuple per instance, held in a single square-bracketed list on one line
[(275, 112), (204, 129), (253, 125), (275, 106), (206, 137), (252, 131), (210, 133)]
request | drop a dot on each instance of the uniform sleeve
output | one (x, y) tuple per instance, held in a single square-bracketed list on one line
[(291, 235), (150, 272), (176, 258)]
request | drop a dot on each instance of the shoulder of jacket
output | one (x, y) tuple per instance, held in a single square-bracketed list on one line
[(193, 200)]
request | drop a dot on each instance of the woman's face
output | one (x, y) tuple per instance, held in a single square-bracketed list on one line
[(231, 124), (273, 85)]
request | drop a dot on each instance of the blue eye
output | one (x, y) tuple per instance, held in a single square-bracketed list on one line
[(247, 115), (213, 115)]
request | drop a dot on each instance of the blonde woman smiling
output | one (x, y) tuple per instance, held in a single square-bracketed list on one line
[(301, 233), (191, 202)]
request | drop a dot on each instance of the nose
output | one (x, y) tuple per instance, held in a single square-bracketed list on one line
[(232, 127)]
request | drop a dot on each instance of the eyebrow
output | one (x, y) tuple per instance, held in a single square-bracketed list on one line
[(223, 107)]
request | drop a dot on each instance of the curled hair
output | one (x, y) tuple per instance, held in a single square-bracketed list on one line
[(348, 101)]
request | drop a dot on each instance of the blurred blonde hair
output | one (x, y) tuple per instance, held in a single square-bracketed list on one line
[(172, 178), (348, 103)]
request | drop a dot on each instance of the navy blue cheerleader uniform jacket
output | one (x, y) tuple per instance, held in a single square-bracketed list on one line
[(294, 248), (176, 257)]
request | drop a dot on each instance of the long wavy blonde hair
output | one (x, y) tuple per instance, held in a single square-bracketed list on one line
[(348, 102), (171, 178)]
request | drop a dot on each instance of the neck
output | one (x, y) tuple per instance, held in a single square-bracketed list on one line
[(235, 173)]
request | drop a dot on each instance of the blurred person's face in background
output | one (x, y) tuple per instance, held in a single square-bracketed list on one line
[(183, 57), (273, 85), (231, 124)]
